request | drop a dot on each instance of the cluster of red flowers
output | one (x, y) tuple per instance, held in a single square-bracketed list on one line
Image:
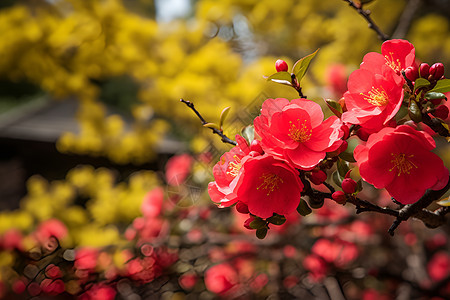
[(265, 177)]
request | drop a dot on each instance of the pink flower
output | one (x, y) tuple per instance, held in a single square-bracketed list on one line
[(401, 161), (178, 168), (296, 131), (269, 186), (372, 99), (221, 278), (222, 191), (152, 204)]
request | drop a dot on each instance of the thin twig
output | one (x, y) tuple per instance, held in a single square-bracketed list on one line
[(225, 139), (366, 14)]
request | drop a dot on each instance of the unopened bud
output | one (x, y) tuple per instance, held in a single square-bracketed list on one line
[(346, 131), (281, 66), (247, 223), (242, 207), (318, 176), (437, 70), (339, 197), (256, 146), (349, 186), (424, 70), (412, 73), (441, 112)]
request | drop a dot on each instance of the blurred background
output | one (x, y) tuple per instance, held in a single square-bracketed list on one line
[(90, 113)]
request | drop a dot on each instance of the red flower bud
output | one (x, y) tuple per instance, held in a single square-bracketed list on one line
[(437, 70), (318, 176), (346, 131), (339, 197), (281, 66), (424, 70), (242, 207), (349, 186), (435, 101), (441, 112), (412, 73), (256, 146), (247, 223)]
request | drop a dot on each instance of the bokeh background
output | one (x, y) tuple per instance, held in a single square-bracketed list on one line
[(90, 115)]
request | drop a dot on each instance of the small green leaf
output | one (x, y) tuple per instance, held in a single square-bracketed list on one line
[(434, 95), (414, 112), (224, 115), (335, 107), (258, 223), (337, 179), (301, 66), (445, 202), (212, 125), (303, 208), (281, 77), (347, 155), (248, 133), (261, 233), (342, 167), (277, 219), (442, 86), (420, 82), (359, 186), (402, 112)]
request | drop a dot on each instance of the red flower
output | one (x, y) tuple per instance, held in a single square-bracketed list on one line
[(269, 186), (221, 278), (178, 168), (401, 161), (152, 204), (222, 191), (296, 131), (372, 99), (439, 266)]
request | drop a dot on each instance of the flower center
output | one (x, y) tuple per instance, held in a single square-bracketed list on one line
[(270, 182), (234, 166), (394, 64), (401, 162), (377, 97), (301, 133)]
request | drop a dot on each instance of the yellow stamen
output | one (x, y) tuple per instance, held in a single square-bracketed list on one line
[(377, 97), (401, 162), (270, 182), (234, 166), (395, 65), (301, 134)]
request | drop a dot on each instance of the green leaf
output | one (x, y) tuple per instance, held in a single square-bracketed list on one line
[(303, 208), (248, 133), (224, 115), (301, 66), (402, 112), (347, 155), (445, 202), (277, 219), (335, 107), (434, 95), (258, 223), (420, 82), (414, 112), (281, 77), (442, 86), (337, 179), (261, 233), (342, 167), (212, 125)]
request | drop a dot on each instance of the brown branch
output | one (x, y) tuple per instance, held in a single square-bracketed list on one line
[(225, 139), (366, 15)]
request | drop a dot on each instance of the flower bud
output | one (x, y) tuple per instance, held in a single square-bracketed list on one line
[(349, 186), (242, 207), (339, 197), (247, 223), (424, 70), (256, 146), (412, 73), (437, 70), (318, 176), (435, 102), (441, 112), (281, 66), (346, 131)]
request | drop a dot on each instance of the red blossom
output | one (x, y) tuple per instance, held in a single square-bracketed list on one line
[(296, 131), (178, 168), (439, 266), (267, 186), (221, 278), (401, 161), (152, 204)]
